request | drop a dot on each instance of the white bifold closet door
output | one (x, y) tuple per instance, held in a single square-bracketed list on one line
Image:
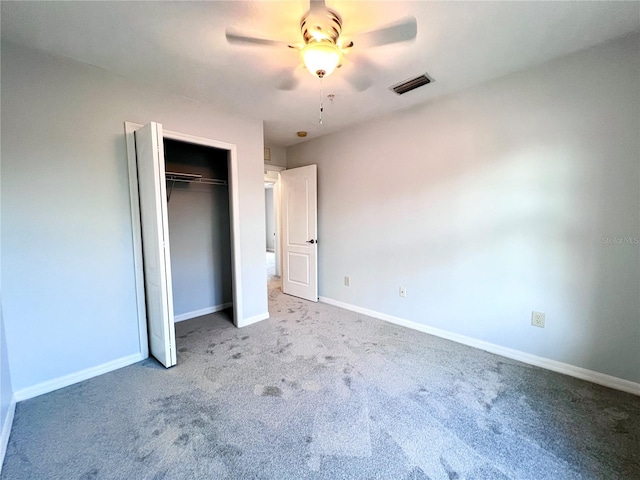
[(155, 243)]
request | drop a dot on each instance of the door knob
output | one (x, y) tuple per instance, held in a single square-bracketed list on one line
[(312, 241)]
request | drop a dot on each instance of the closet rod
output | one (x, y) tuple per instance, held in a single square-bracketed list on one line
[(207, 181), (174, 177), (193, 178)]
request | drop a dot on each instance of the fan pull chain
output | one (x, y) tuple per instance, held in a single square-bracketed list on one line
[(321, 102)]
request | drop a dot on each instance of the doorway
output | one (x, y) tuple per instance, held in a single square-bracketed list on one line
[(273, 214), (270, 230), (270, 218)]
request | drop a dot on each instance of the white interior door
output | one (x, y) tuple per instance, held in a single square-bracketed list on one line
[(300, 231), (155, 243)]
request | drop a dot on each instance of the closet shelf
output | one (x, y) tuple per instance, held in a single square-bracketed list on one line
[(193, 178)]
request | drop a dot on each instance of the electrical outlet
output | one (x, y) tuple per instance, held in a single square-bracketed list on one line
[(403, 292), (537, 319), (346, 281)]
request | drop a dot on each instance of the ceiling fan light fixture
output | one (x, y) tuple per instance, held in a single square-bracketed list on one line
[(321, 58)]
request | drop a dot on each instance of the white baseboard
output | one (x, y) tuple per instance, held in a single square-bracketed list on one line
[(256, 318), (6, 430), (199, 313), (66, 380), (560, 367)]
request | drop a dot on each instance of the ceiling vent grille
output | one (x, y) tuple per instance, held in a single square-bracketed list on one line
[(411, 84)]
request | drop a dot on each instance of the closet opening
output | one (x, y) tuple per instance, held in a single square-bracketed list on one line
[(199, 224)]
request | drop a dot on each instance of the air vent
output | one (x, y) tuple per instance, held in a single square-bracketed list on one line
[(410, 84)]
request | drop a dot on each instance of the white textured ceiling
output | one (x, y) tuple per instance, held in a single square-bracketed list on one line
[(181, 47)]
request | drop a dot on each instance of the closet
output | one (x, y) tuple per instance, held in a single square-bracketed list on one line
[(199, 228)]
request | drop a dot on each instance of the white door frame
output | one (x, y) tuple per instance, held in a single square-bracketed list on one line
[(234, 209)]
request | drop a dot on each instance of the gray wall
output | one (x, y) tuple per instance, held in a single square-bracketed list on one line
[(68, 268), (200, 248), (270, 219), (494, 202), (278, 156)]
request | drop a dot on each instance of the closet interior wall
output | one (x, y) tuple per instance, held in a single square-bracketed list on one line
[(199, 229)]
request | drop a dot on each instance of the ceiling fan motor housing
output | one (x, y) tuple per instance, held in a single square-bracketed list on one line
[(321, 29), (321, 25)]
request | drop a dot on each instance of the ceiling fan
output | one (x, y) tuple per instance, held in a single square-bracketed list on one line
[(323, 46)]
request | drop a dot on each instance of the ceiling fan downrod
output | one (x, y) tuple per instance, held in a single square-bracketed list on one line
[(321, 101)]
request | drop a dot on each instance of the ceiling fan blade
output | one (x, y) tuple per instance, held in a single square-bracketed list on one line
[(287, 80), (239, 39), (359, 81), (400, 31), (358, 74)]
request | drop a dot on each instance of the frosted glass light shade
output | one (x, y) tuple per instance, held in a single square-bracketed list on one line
[(321, 58)]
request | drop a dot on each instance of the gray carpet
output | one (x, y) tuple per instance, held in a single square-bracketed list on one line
[(321, 393)]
